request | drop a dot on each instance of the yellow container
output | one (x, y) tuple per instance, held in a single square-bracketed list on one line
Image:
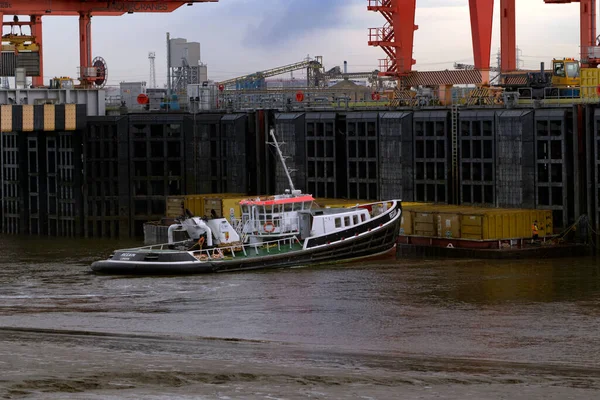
[(590, 80), (424, 223), (477, 223), (448, 225), (495, 224), (174, 206), (406, 223), (196, 202), (232, 205), (215, 202)]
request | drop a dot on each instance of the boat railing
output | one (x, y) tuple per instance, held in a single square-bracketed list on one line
[(218, 253)]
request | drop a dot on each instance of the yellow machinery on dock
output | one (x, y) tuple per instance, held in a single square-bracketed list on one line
[(63, 82), (19, 43)]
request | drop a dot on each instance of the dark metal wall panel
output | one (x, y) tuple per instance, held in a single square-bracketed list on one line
[(476, 150), (204, 153), (81, 115), (515, 159), (38, 118), (432, 156), (36, 157), (595, 168), (17, 118), (362, 155), (396, 169), (156, 151), (322, 155), (64, 183), (106, 178), (59, 117), (553, 133), (290, 131), (234, 128), (13, 183)]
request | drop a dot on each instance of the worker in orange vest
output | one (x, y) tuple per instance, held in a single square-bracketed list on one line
[(534, 230)]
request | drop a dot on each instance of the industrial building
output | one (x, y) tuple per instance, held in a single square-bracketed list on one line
[(75, 165)]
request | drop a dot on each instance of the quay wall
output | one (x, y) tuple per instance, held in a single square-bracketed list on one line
[(105, 176)]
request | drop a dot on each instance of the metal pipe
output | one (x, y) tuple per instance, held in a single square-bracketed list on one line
[(168, 66), (170, 231)]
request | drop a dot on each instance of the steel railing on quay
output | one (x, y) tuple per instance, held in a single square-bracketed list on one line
[(364, 98)]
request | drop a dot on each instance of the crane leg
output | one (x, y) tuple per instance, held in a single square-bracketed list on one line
[(508, 32), (36, 31), (588, 29), (85, 43), (482, 13)]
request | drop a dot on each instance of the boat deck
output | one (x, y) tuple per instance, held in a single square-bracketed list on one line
[(228, 253), (281, 246)]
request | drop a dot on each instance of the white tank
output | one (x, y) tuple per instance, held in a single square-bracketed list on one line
[(222, 231)]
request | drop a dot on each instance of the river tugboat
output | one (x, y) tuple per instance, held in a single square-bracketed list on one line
[(275, 231)]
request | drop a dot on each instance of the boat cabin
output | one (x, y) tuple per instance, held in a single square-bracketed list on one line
[(330, 220), (274, 215)]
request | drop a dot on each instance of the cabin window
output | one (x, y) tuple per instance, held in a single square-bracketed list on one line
[(363, 218), (347, 221), (559, 69), (572, 70), (338, 222), (355, 219), (307, 205), (288, 207)]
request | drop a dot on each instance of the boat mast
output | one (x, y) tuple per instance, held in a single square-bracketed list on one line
[(287, 172)]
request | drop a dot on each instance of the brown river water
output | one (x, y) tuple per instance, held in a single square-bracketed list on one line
[(409, 329)]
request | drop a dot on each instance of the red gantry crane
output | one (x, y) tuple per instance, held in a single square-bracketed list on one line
[(85, 10), (397, 35)]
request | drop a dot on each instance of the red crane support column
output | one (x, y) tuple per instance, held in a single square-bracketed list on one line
[(588, 30), (36, 31), (396, 37), (85, 42), (404, 29), (508, 36), (482, 14)]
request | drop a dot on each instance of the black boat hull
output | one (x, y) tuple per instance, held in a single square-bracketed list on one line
[(375, 242)]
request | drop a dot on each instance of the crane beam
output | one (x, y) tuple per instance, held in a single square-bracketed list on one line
[(74, 8)]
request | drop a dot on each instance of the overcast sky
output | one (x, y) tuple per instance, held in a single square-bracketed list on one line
[(244, 36)]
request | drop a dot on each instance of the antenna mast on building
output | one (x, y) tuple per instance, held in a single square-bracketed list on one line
[(152, 58), (168, 64)]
